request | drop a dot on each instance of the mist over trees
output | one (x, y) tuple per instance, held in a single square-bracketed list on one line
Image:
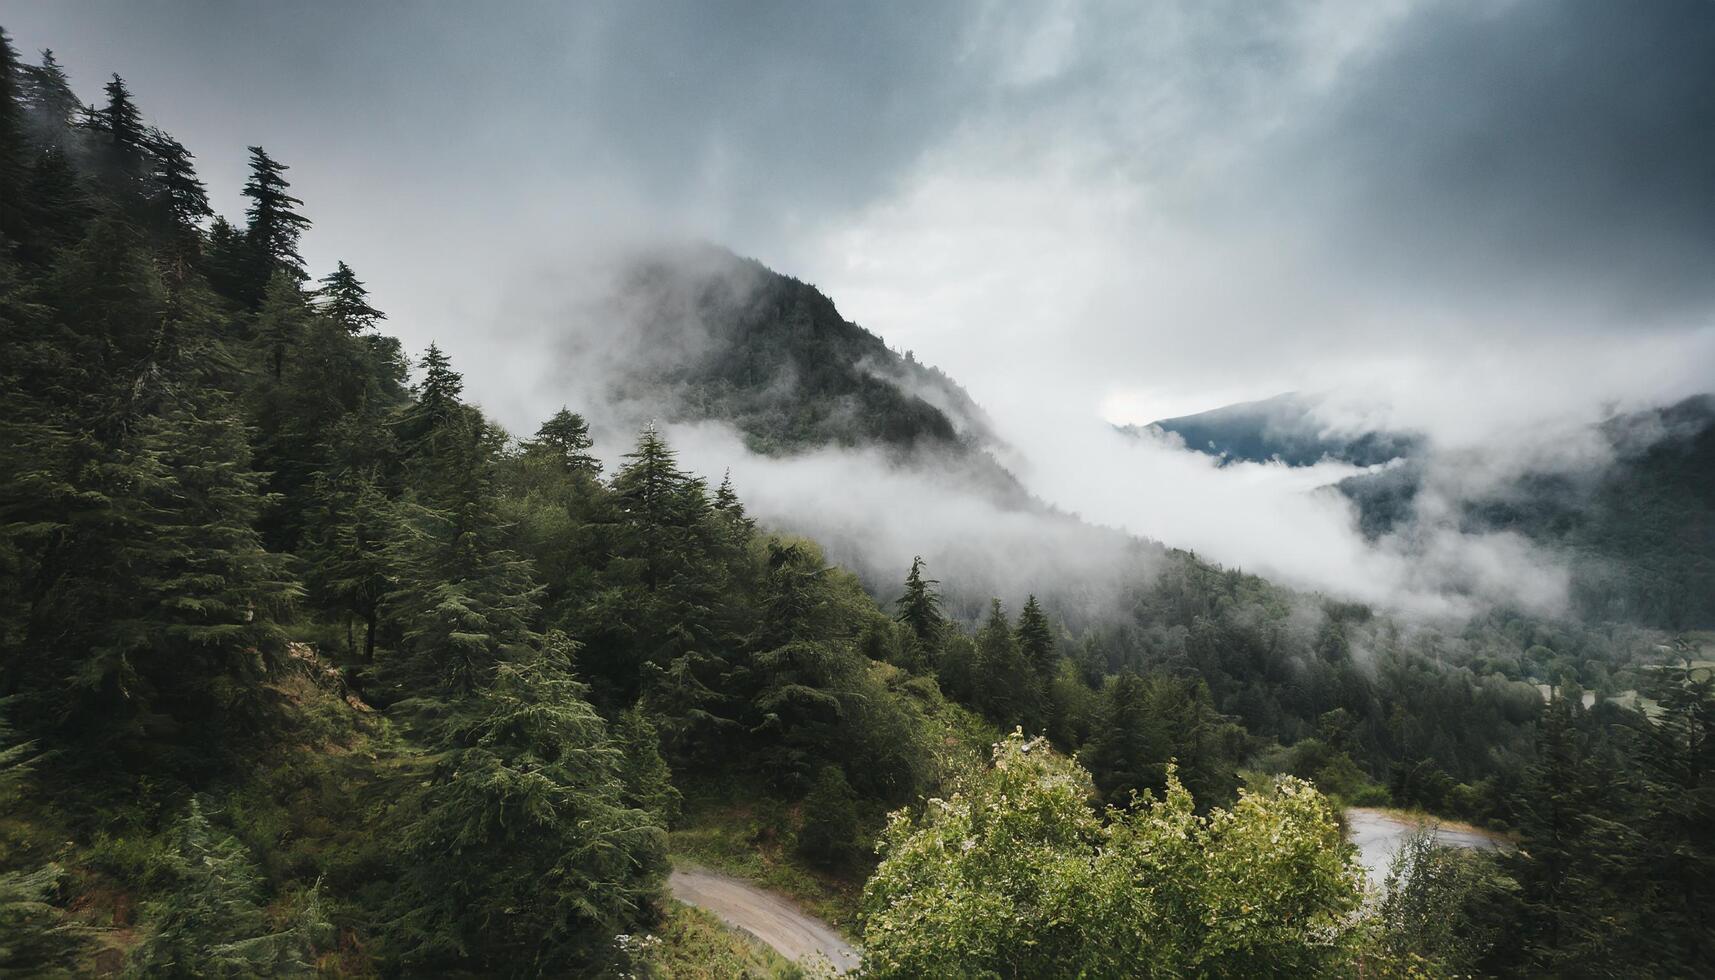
[(307, 665)]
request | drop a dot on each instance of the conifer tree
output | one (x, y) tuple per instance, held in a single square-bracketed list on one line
[(12, 146), (211, 922), (1129, 747), (180, 197), (48, 99), (1008, 690), (1036, 639), (32, 940), (464, 600), (523, 813), (438, 404), (644, 773), (565, 439), (349, 569), (275, 224), (123, 148), (829, 834), (920, 607), (280, 323), (343, 297)]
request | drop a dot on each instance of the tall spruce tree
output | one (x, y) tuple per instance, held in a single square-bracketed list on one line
[(275, 225), (48, 99), (920, 607), (343, 298), (181, 200), (1036, 639)]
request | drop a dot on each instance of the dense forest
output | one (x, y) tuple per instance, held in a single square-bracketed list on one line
[(307, 666)]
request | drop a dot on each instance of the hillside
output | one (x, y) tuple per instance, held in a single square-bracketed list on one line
[(1638, 530), (1284, 427), (725, 337)]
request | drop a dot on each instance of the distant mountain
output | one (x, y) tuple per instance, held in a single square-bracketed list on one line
[(1284, 427), (1638, 532), (731, 339)]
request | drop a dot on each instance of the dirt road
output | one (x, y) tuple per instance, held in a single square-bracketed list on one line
[(765, 915)]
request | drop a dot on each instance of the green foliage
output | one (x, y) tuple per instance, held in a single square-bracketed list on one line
[(524, 812), (1445, 906), (1016, 876), (828, 834), (210, 920)]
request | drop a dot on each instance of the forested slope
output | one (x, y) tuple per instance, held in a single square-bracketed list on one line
[(306, 665)]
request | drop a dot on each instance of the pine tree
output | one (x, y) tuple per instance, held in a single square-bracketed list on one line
[(1128, 751), (344, 298), (181, 200), (349, 572), (647, 779), (275, 224), (524, 813), (48, 99), (438, 404), (1570, 853), (32, 940), (211, 922), (829, 832), (1036, 639), (280, 323), (920, 607), (465, 601), (123, 150), (565, 439), (1008, 690), (1677, 821)]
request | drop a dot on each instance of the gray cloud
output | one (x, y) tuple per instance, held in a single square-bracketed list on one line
[(1492, 222)]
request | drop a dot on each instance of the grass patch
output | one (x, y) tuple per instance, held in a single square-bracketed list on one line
[(695, 945)]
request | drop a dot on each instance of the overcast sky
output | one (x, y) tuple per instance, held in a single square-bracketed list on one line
[(1168, 206), (1475, 218)]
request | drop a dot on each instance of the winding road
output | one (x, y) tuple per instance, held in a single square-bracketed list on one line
[(767, 916)]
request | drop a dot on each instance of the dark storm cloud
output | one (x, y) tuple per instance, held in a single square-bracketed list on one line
[(1534, 151)]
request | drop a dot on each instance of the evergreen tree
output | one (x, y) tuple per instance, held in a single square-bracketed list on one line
[(47, 97), (349, 569), (32, 940), (123, 150), (210, 921), (464, 601), (524, 813), (830, 828), (1677, 827), (344, 299), (275, 225), (1036, 639), (1570, 854), (565, 439), (920, 607), (12, 147), (644, 773), (280, 323), (181, 200), (1008, 690), (1129, 749), (437, 406)]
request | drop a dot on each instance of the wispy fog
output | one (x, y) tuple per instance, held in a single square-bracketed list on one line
[(1486, 222)]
